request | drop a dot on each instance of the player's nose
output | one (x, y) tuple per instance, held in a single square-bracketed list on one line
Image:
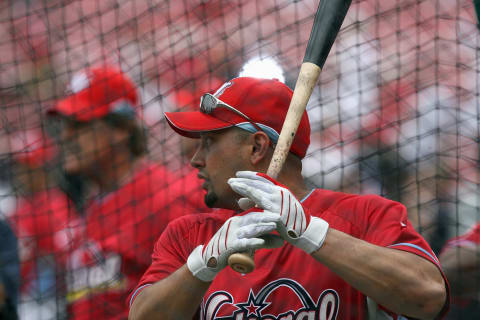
[(66, 133), (198, 159)]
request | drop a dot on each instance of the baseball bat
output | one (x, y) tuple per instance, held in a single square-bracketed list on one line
[(328, 20)]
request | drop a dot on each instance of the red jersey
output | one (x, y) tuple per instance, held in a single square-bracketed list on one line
[(45, 224), (465, 307), (187, 188), (288, 283), (118, 236), (470, 238)]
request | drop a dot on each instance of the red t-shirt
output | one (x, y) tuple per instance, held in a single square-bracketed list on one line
[(288, 283), (187, 188), (45, 224), (470, 238), (120, 230)]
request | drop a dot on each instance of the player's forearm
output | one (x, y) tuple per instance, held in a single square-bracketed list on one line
[(400, 281), (175, 297)]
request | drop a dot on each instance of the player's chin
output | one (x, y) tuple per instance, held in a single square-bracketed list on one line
[(210, 199)]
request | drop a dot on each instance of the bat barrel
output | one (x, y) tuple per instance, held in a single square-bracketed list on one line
[(328, 21)]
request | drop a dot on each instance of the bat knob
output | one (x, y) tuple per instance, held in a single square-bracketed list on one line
[(241, 262)]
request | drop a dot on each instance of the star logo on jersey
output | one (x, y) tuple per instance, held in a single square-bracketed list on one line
[(252, 307), (219, 305)]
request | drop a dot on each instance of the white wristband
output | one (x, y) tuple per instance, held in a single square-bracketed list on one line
[(312, 239)]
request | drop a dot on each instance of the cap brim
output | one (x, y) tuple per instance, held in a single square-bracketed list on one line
[(78, 108), (191, 124), (63, 107)]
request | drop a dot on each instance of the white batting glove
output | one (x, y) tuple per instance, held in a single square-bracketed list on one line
[(280, 206), (238, 234)]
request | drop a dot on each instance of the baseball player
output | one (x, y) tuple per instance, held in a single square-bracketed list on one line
[(44, 214), (320, 253), (132, 200), (461, 262)]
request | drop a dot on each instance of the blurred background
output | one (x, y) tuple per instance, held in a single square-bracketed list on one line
[(396, 111)]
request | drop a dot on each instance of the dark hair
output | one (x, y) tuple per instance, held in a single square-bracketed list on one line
[(138, 133), (75, 187)]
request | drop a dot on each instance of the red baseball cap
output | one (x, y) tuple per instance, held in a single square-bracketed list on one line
[(96, 92), (32, 148), (264, 101)]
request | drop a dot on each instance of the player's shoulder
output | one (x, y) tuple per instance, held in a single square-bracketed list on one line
[(193, 229), (328, 200), (207, 220), (354, 210), (43, 202), (148, 179), (152, 171)]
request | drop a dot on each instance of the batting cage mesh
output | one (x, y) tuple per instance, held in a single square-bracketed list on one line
[(395, 113)]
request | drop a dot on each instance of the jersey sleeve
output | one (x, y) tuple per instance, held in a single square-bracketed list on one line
[(388, 226), (171, 251)]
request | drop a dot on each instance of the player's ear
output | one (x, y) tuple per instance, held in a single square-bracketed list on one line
[(260, 150)]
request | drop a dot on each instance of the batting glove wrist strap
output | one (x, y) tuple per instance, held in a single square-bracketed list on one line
[(197, 266), (312, 239)]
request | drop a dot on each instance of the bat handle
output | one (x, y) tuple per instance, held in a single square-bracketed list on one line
[(242, 262), (307, 78)]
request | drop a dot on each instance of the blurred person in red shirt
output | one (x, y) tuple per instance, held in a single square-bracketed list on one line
[(131, 199), (44, 220), (460, 259)]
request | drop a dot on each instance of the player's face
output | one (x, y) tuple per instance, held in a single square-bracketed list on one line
[(219, 156), (189, 146), (87, 146)]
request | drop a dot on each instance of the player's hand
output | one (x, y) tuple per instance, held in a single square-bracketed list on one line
[(294, 224), (238, 234)]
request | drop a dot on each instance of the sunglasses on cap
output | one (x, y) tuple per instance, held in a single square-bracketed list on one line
[(208, 103)]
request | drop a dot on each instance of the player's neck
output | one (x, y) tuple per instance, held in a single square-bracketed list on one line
[(115, 175), (291, 176), (299, 190)]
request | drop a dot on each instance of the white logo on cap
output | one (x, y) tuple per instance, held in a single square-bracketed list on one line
[(220, 90), (79, 82)]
